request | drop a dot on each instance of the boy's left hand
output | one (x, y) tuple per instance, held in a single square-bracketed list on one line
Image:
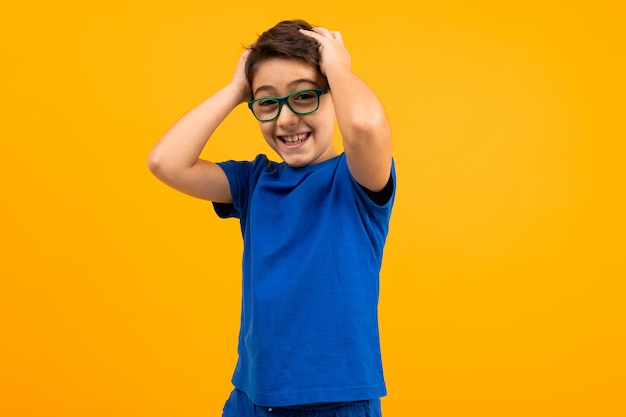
[(332, 51)]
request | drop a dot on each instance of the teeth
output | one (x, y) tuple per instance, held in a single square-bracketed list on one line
[(293, 139)]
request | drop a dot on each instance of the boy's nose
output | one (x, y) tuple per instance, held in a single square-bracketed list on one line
[(286, 116)]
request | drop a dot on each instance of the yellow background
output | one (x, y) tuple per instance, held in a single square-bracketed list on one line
[(503, 284)]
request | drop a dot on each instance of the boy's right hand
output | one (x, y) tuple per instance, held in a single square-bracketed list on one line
[(239, 78)]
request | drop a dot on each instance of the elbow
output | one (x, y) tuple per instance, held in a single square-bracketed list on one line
[(155, 162)]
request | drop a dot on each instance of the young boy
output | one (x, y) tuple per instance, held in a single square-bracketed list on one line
[(314, 226)]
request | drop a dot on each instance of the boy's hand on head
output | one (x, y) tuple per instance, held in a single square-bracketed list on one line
[(332, 50), (239, 78)]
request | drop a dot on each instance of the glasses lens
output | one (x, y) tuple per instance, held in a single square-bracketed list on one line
[(265, 109), (304, 102)]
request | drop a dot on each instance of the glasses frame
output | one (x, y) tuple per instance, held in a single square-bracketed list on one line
[(285, 100)]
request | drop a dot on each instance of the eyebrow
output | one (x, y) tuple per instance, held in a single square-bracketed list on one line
[(270, 89)]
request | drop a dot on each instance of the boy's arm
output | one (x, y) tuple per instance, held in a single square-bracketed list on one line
[(175, 159), (360, 115)]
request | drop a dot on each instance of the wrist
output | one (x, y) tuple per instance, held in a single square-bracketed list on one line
[(337, 68), (241, 91)]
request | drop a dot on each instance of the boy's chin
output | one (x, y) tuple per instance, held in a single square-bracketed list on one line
[(295, 162)]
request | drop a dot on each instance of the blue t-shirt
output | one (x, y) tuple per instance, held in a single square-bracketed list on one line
[(313, 246)]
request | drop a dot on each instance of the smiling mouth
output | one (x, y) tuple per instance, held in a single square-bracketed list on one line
[(292, 140)]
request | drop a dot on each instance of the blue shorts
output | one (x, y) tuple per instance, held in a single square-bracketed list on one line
[(239, 405)]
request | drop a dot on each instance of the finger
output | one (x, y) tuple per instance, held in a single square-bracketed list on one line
[(337, 35), (323, 31), (310, 34)]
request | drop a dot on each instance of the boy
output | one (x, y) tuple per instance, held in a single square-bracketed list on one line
[(314, 226)]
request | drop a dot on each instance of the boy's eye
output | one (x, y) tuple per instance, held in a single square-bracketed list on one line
[(267, 103), (307, 95)]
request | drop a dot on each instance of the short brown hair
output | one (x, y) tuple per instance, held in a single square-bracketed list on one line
[(283, 41)]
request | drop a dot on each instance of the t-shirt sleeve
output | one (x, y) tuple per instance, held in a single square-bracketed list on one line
[(240, 175), (385, 197), (225, 210), (374, 212)]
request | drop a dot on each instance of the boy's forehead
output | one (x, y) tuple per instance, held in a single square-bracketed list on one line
[(279, 74)]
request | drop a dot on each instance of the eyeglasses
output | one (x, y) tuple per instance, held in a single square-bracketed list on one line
[(266, 109)]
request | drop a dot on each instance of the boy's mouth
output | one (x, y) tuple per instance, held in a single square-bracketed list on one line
[(293, 140)]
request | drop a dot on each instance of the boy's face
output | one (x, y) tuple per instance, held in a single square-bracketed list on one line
[(299, 139)]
